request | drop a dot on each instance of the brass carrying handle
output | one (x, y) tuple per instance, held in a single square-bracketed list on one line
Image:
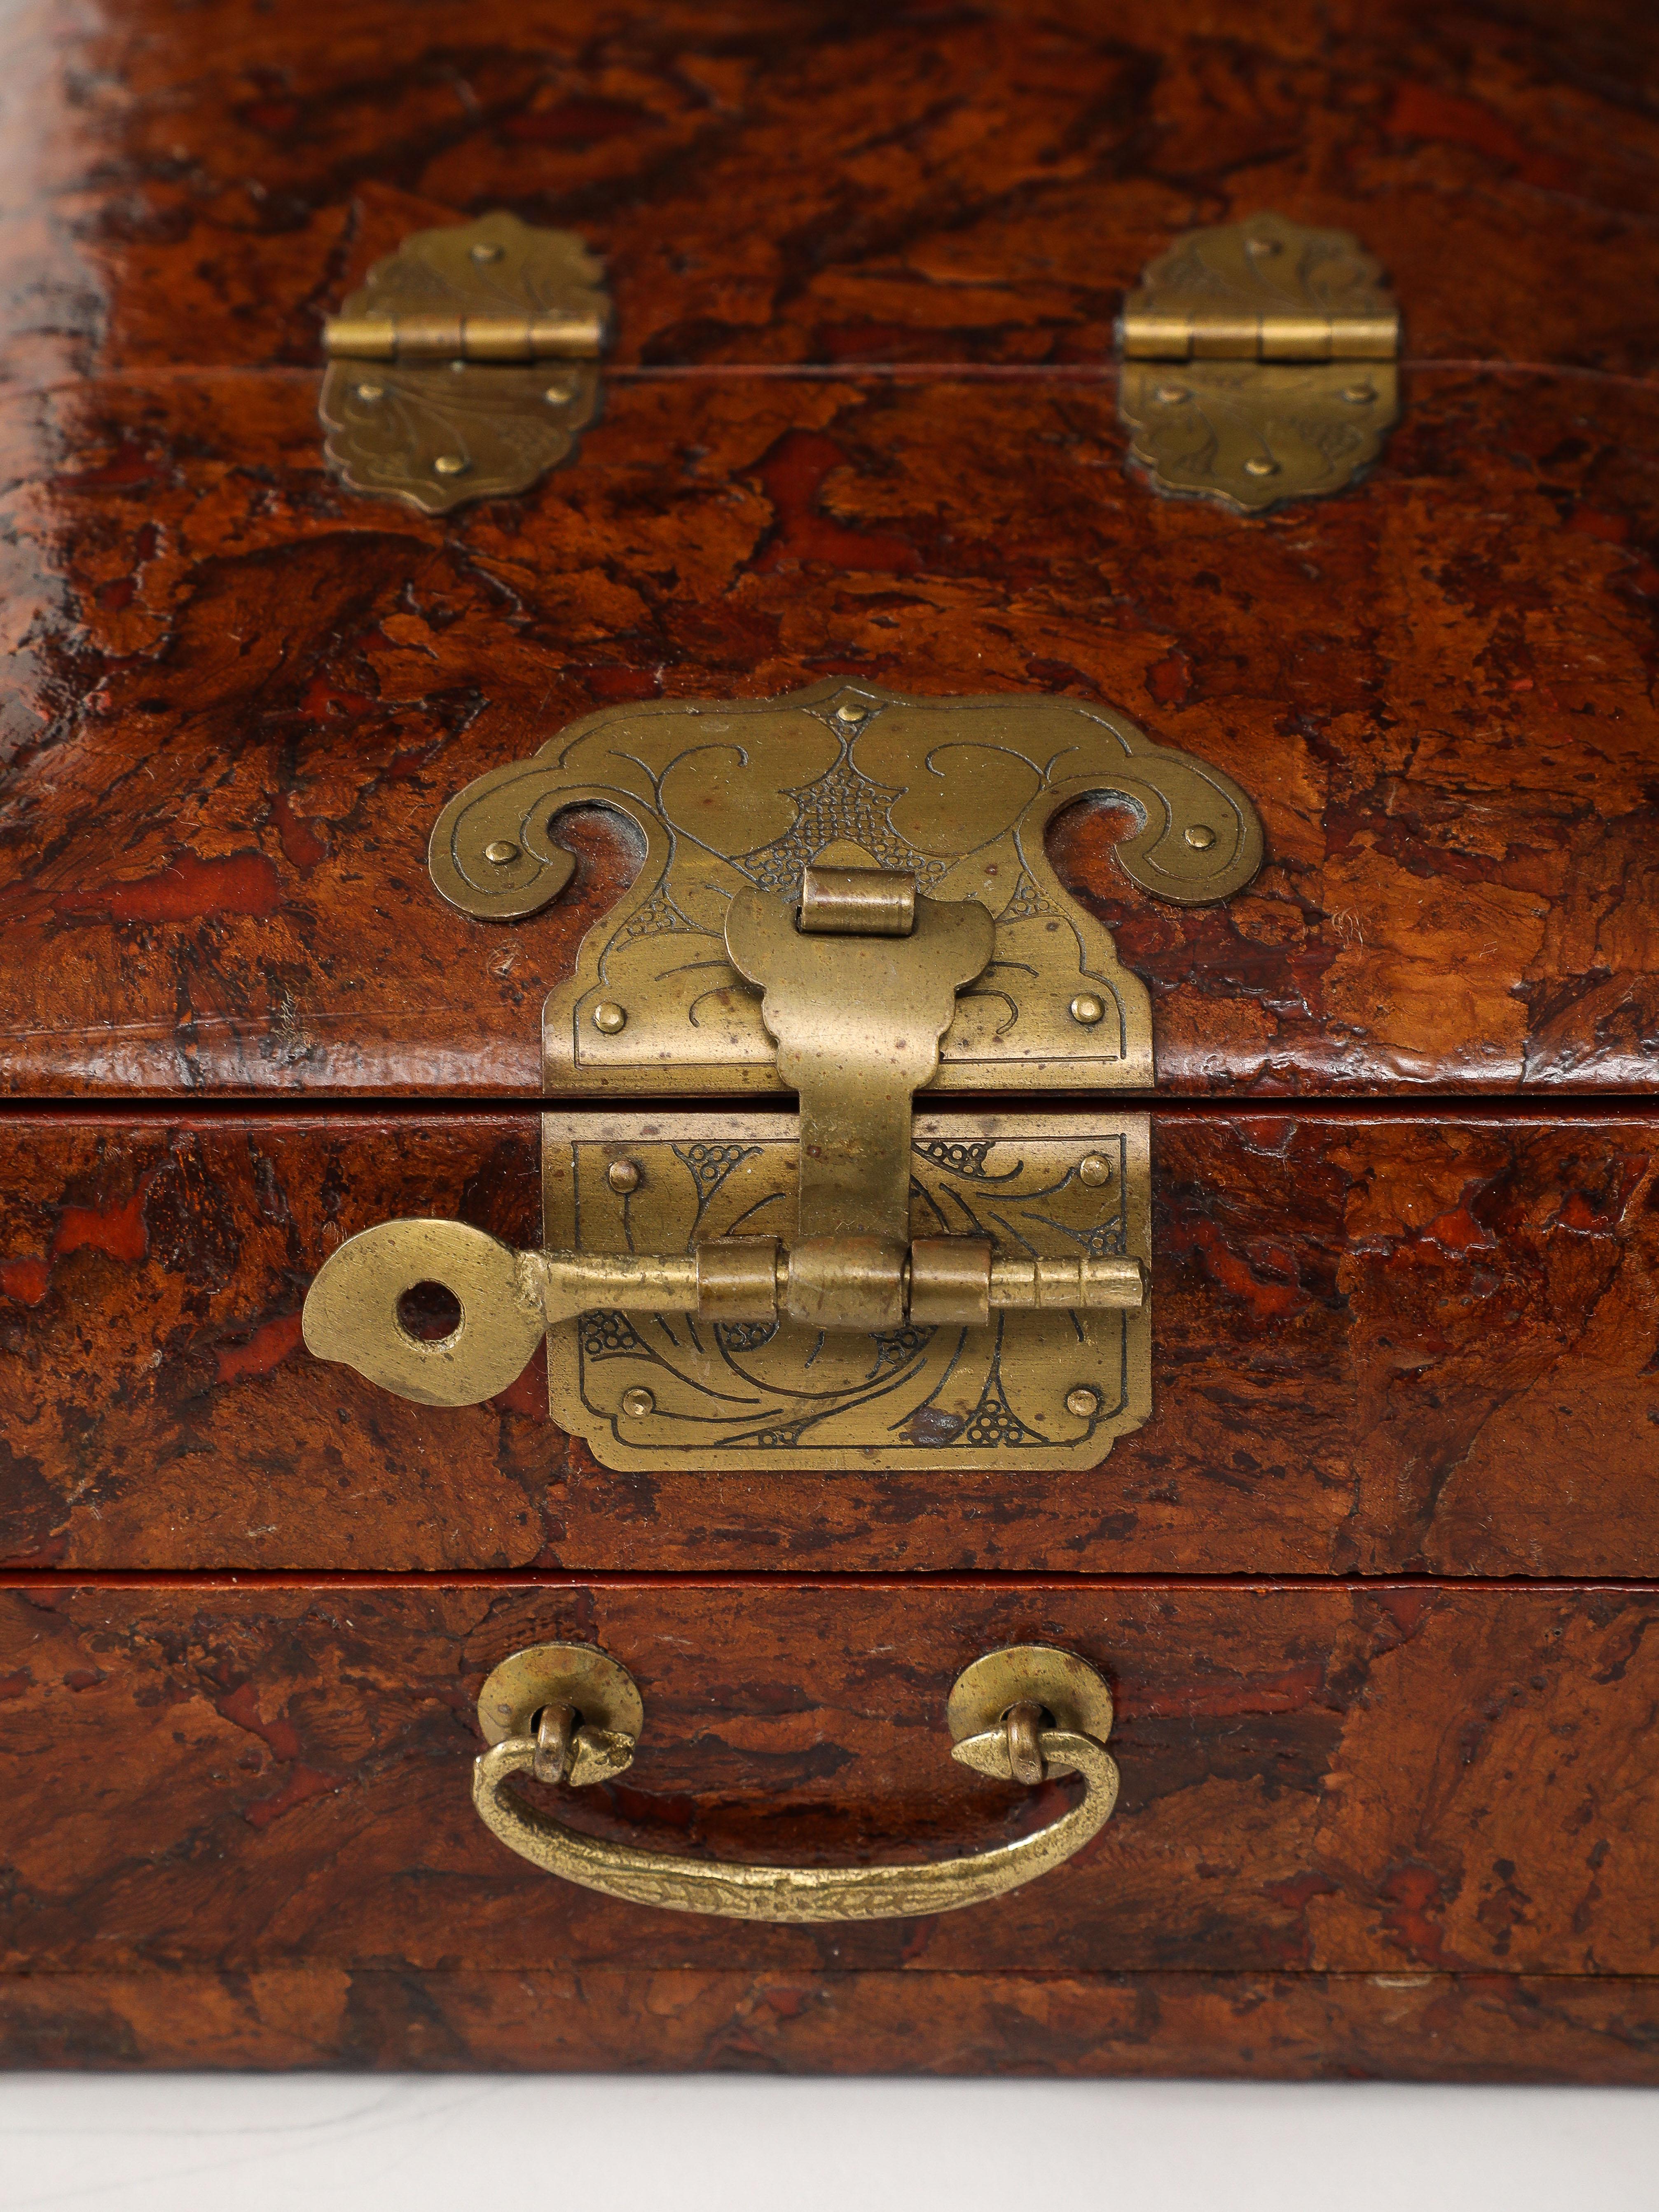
[(569, 1713)]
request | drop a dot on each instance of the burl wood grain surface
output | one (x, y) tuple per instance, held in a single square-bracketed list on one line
[(1380, 1342), (1414, 2026), (241, 697), (811, 180), (1394, 1780)]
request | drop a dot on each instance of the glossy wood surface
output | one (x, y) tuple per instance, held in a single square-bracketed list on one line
[(860, 418), (1396, 1779), (241, 697), (1380, 1342), (1417, 2027), (793, 180)]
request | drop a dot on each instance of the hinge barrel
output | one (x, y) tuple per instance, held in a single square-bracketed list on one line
[(569, 334), (1150, 335)]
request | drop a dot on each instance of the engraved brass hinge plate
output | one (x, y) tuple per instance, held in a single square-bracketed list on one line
[(467, 365), (1258, 364)]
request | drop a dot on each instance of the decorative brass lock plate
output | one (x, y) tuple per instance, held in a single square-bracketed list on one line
[(467, 365), (1036, 1387), (1258, 364), (844, 894), (745, 794)]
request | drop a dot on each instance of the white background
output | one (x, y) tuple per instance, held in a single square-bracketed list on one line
[(184, 2142)]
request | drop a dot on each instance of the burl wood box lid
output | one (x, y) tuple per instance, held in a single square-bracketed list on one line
[(859, 419)]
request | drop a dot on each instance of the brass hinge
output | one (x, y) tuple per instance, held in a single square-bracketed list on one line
[(844, 894), (465, 366), (1285, 340)]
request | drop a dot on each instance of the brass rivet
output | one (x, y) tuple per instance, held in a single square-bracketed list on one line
[(458, 367), (1171, 395), (849, 713), (1094, 1170), (1263, 246), (1088, 1009), (451, 464), (371, 392), (482, 252), (1081, 1402), (500, 850), (609, 1018), (562, 389), (1359, 395), (1260, 466), (622, 1175), (636, 1404), (1199, 836)]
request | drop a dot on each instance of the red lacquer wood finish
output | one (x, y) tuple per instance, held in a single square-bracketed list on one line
[(861, 419), (1416, 2027), (1404, 1782), (255, 694), (1381, 1342), (244, 696)]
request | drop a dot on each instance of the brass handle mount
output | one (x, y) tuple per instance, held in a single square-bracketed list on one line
[(569, 1713)]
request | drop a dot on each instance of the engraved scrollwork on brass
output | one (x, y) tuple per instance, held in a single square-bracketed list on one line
[(1035, 1386), (740, 796)]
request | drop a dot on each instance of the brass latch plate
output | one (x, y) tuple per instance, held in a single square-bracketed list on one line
[(1041, 1388), (465, 366), (740, 795), (844, 894), (1259, 363)]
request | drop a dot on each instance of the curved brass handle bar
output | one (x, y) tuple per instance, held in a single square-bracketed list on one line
[(780, 1893)]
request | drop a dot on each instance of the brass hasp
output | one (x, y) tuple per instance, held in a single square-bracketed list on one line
[(859, 983)]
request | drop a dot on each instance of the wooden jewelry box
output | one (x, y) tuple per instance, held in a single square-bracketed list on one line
[(831, 1069)]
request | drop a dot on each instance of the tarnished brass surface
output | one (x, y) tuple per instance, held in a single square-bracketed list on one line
[(849, 1289), (778, 1393), (951, 1282), (858, 902), (1259, 363), (350, 1310), (1067, 1688), (744, 795), (463, 368), (507, 1300), (857, 1021), (599, 1691), (1022, 1725), (737, 1276), (555, 1730), (1027, 1741), (956, 1340)]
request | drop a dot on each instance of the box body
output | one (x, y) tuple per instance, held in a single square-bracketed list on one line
[(1371, 1586)]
